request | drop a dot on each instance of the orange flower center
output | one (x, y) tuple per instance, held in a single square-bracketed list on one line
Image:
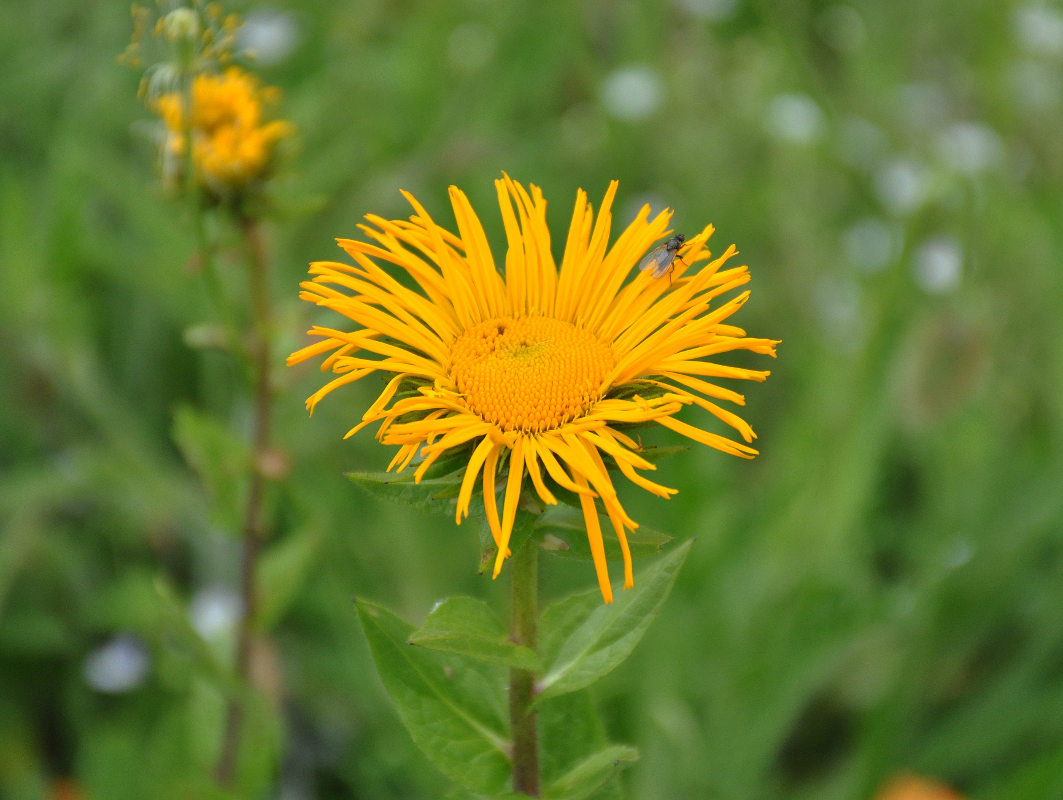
[(531, 373)]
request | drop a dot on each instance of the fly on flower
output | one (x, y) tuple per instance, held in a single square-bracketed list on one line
[(660, 258)]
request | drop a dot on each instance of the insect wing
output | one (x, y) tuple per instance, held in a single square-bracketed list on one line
[(658, 259), (664, 263)]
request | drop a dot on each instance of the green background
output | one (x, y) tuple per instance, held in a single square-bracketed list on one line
[(880, 591)]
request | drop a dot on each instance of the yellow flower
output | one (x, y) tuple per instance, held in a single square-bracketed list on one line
[(231, 145), (915, 787), (544, 365)]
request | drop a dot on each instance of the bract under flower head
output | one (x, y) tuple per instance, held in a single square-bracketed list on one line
[(539, 367)]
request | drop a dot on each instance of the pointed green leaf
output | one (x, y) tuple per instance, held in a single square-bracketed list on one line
[(468, 627), (560, 621), (591, 773), (282, 571), (564, 533), (432, 495), (220, 458), (569, 731), (461, 793), (592, 642), (453, 709)]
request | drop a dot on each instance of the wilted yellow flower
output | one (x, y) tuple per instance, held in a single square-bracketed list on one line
[(231, 145), (540, 368)]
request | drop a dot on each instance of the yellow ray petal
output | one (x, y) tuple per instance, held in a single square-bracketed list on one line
[(468, 483), (594, 539), (573, 259), (402, 458), (390, 318), (465, 429), (605, 441), (723, 414), (491, 501), (554, 469), (478, 252), (710, 370), (590, 275), (469, 304), (531, 460), (711, 439), (706, 388), (572, 450), (516, 265), (311, 350), (509, 504), (629, 248), (616, 517)]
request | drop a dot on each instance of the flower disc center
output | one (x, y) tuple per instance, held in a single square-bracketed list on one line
[(531, 373)]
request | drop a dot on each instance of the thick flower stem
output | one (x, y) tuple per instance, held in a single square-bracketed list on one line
[(253, 528), (524, 568)]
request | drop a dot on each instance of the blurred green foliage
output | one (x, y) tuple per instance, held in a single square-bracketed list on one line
[(879, 591)]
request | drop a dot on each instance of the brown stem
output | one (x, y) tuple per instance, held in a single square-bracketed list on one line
[(522, 717), (253, 529)]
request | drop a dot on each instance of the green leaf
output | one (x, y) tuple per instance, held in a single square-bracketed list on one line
[(453, 709), (1037, 776), (570, 732), (564, 533), (431, 495), (560, 620), (591, 773), (282, 571), (468, 627), (656, 453), (219, 457), (460, 793), (586, 643)]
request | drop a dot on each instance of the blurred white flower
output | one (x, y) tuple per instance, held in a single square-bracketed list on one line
[(970, 147), (872, 243), (711, 10), (958, 552), (1038, 29), (117, 666), (214, 612), (902, 184), (937, 264), (270, 35), (633, 93), (794, 118)]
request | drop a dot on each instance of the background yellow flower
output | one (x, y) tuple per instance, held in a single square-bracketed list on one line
[(232, 145)]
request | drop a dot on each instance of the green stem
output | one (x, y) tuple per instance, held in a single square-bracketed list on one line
[(524, 568), (253, 529)]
